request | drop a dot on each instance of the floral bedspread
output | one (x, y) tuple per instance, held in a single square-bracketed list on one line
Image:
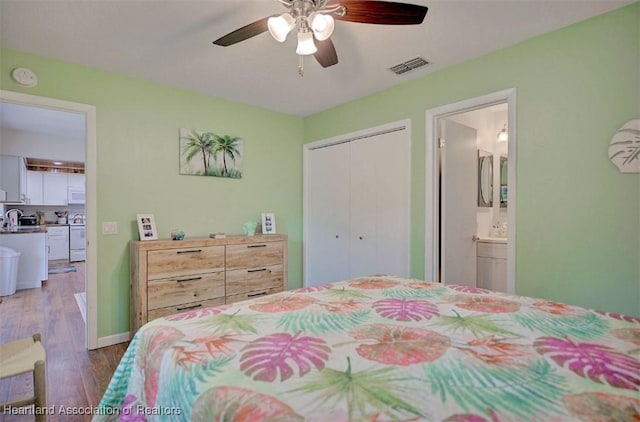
[(381, 348)]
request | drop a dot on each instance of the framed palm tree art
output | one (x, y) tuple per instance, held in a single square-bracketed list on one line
[(204, 153)]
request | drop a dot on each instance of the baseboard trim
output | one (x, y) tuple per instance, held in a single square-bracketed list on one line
[(114, 339)]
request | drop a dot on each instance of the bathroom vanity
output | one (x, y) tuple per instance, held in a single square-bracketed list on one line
[(491, 263)]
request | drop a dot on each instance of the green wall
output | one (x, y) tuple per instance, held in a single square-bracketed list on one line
[(578, 222), (137, 168), (578, 218)]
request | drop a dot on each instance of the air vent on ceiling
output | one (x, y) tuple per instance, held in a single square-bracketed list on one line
[(412, 64)]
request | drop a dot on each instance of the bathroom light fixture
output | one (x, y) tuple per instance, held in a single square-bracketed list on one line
[(503, 135)]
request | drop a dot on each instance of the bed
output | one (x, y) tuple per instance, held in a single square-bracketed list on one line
[(378, 349)]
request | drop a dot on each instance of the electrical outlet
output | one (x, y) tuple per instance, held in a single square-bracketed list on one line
[(109, 227)]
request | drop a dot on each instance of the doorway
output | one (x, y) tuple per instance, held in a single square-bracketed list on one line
[(459, 218), (89, 113)]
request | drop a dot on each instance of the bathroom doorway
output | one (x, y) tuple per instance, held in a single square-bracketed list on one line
[(470, 227)]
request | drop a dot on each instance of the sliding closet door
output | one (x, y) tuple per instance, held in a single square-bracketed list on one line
[(379, 223), (327, 225)]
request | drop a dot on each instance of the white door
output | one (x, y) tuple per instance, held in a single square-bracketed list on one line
[(380, 181), (327, 247), (357, 207), (458, 206)]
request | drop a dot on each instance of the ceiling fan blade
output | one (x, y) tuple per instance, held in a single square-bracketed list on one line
[(241, 34), (382, 12), (326, 54)]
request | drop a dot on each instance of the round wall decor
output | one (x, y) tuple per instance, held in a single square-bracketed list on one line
[(624, 149), (25, 77)]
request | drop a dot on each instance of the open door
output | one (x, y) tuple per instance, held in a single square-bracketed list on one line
[(458, 204)]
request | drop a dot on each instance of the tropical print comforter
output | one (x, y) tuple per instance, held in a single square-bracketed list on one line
[(379, 349)]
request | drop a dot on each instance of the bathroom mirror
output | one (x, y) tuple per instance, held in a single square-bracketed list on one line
[(485, 179), (503, 181)]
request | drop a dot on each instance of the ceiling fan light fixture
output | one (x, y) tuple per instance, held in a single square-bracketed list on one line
[(306, 46), (280, 26), (322, 25)]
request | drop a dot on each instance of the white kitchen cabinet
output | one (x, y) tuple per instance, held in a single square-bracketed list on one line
[(13, 178), (76, 193), (55, 188), (492, 266), (58, 237), (357, 208), (34, 188), (33, 261)]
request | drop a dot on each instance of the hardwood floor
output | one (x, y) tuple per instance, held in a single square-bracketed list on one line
[(76, 377)]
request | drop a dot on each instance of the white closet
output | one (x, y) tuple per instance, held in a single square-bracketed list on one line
[(357, 205)]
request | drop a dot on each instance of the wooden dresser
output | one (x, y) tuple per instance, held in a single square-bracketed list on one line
[(170, 276)]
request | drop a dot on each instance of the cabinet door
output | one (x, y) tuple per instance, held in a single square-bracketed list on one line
[(13, 177), (58, 246), (484, 272), (76, 180), (55, 186), (327, 205), (34, 188), (379, 205)]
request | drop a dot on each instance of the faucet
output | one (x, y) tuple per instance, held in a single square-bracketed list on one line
[(12, 216)]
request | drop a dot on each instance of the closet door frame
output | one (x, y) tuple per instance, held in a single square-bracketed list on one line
[(365, 133)]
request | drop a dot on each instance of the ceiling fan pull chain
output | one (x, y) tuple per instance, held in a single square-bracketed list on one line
[(301, 65)]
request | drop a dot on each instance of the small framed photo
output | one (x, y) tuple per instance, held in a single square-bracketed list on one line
[(268, 223), (147, 227)]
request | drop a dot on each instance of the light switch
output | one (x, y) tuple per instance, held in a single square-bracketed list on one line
[(109, 227)]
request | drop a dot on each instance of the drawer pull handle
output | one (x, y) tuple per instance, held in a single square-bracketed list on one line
[(190, 307), (180, 280), (191, 251), (256, 246), (257, 271), (257, 294)]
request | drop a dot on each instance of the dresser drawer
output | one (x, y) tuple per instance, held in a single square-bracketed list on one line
[(180, 262), (185, 307), (492, 250), (254, 255), (252, 295), (246, 280), (174, 291)]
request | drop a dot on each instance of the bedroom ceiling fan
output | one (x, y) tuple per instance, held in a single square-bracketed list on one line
[(314, 21)]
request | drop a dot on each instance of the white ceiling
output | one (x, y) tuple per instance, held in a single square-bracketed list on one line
[(170, 42), (54, 123)]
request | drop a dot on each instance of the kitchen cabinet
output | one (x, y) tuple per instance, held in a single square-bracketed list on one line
[(34, 188), (33, 262), (46, 188), (492, 265), (168, 277), (13, 178), (58, 237), (357, 208), (55, 188), (76, 189)]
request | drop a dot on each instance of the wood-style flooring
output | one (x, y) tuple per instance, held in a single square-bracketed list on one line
[(76, 377)]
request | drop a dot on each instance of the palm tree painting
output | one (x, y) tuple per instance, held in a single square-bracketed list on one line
[(208, 154)]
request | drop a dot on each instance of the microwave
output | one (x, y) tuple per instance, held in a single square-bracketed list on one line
[(76, 195)]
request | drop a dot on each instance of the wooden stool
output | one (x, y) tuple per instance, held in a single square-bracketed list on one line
[(22, 356)]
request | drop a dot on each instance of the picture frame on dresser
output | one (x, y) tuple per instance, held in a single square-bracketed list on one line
[(268, 223), (147, 227)]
